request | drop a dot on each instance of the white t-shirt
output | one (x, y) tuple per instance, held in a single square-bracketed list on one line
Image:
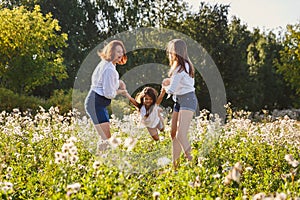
[(153, 119)]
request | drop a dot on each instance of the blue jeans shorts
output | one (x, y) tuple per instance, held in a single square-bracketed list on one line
[(95, 107), (186, 101)]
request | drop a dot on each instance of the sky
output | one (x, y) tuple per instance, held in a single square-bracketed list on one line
[(263, 14)]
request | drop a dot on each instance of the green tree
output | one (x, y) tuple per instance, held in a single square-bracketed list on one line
[(86, 22), (209, 27), (268, 88), (237, 76), (30, 49), (289, 63)]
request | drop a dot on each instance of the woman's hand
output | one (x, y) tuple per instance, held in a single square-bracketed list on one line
[(165, 82), (122, 85), (122, 92)]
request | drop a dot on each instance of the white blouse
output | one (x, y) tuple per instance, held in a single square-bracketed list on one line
[(105, 79), (181, 82)]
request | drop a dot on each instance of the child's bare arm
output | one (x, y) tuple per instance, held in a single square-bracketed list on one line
[(161, 96), (132, 100)]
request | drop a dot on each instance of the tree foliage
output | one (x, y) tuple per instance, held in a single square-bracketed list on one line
[(257, 68), (289, 62), (30, 49)]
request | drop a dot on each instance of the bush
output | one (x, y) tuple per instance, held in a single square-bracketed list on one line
[(10, 100), (61, 99)]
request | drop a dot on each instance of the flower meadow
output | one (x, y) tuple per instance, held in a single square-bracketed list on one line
[(54, 156)]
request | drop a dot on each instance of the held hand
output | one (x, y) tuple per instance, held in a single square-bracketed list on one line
[(166, 82), (163, 90), (122, 92), (122, 85), (127, 95)]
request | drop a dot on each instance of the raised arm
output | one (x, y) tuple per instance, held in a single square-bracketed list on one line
[(161, 96), (132, 100)]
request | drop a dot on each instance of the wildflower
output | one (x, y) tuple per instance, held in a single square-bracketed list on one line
[(163, 161), (9, 169), (290, 159), (73, 188), (259, 196), (65, 147), (73, 159), (58, 157), (191, 183), (281, 196), (130, 143), (6, 186), (216, 176), (294, 163), (8, 176), (81, 167), (114, 142), (72, 139), (73, 150), (197, 182), (248, 168), (96, 165), (156, 195)]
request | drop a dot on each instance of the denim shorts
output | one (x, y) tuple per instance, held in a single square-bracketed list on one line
[(95, 107), (186, 101)]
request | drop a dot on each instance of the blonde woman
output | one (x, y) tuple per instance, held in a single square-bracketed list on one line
[(105, 85), (180, 84)]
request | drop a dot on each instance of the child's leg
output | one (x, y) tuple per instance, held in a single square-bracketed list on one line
[(160, 125), (153, 132)]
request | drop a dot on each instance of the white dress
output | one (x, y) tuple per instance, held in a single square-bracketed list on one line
[(153, 119)]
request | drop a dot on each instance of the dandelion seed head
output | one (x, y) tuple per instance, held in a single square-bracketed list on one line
[(259, 196), (163, 161), (248, 168), (289, 158), (156, 195), (216, 176), (294, 163), (96, 164), (9, 169)]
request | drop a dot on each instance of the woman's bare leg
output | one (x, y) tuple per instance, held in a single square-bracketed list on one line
[(184, 121), (174, 123), (103, 131), (176, 148)]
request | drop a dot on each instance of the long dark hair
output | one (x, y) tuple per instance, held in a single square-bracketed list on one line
[(178, 49), (151, 92)]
